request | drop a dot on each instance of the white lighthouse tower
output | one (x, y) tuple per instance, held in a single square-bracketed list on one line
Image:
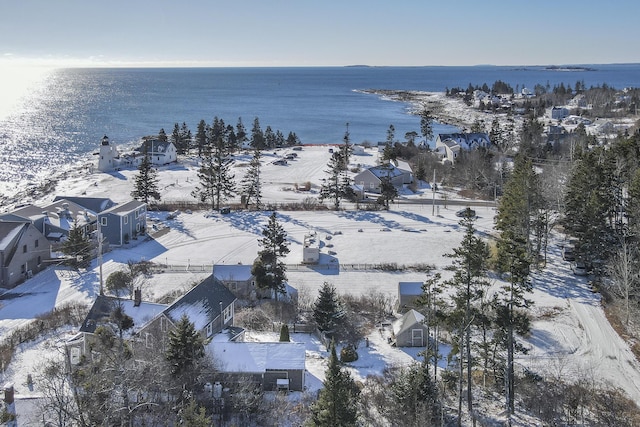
[(108, 154)]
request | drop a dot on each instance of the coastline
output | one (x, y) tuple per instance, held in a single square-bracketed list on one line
[(446, 110)]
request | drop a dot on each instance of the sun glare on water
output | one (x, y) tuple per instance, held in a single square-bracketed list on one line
[(17, 81)]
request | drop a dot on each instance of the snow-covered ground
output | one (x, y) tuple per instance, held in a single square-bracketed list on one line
[(570, 335)]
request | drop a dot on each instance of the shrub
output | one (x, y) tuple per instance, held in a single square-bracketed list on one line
[(348, 354), (284, 333)]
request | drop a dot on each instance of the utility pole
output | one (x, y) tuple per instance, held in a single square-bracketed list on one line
[(433, 194), (100, 258)]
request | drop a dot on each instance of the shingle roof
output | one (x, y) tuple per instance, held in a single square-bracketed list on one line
[(202, 303)]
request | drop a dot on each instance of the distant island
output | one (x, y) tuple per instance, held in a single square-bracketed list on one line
[(568, 68)]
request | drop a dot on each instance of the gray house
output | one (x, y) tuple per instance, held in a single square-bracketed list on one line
[(209, 306), (237, 278), (123, 222), (370, 179), (408, 293), (24, 251), (409, 331), (274, 365), (57, 218)]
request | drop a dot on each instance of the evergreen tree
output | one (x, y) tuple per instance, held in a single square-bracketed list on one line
[(120, 283), (241, 133), (257, 136), (184, 351), (327, 310), (201, 137), (588, 205), (388, 192), (251, 186), (513, 259), (284, 333), (145, 187), (337, 185), (426, 125), (469, 284), (77, 247), (414, 400), (337, 404), (185, 138), (216, 180), (162, 136), (346, 150), (269, 137), (269, 269)]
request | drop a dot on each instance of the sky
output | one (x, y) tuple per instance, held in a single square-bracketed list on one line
[(314, 33)]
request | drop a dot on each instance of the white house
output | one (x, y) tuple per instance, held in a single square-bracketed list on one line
[(449, 145)]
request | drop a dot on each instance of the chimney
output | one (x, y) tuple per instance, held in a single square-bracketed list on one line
[(137, 297)]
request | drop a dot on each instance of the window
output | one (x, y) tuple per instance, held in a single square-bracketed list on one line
[(210, 329), (39, 260), (103, 221), (36, 243), (126, 220), (227, 313), (163, 324), (148, 341), (137, 214), (138, 227), (24, 249)]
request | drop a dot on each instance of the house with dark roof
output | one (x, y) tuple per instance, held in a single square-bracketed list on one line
[(101, 315), (209, 305), (24, 251), (159, 152), (121, 223), (93, 204), (450, 145), (370, 179)]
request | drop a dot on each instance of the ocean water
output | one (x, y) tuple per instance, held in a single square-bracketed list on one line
[(57, 121)]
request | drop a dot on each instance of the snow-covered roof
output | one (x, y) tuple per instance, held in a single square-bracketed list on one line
[(257, 357), (232, 272), (410, 288), (8, 232), (104, 306), (125, 208), (202, 303), (407, 321)]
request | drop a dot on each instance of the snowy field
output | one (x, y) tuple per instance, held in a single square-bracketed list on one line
[(570, 335)]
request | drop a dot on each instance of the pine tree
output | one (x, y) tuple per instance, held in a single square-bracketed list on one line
[(388, 192), (513, 259), (257, 136), (269, 269), (284, 333), (426, 124), (337, 404), (162, 136), (216, 180), (241, 133), (337, 185), (251, 186), (469, 283), (201, 137), (145, 187), (184, 351), (327, 310), (414, 399), (77, 247)]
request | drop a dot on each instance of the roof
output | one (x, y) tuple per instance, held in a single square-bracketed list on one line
[(257, 357), (202, 303), (104, 305), (124, 208), (410, 319), (155, 146), (9, 230), (95, 204), (410, 288), (237, 272)]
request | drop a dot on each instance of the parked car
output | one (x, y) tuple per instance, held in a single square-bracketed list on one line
[(462, 213), (579, 268), (568, 253)]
